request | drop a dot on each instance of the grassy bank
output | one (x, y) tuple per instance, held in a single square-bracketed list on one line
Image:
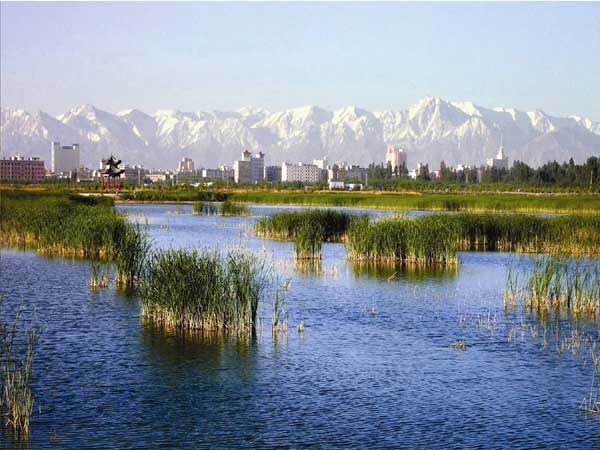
[(581, 203)]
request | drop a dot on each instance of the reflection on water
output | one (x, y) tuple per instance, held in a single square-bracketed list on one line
[(386, 271), (105, 379)]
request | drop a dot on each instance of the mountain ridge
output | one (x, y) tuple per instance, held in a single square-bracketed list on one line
[(431, 130)]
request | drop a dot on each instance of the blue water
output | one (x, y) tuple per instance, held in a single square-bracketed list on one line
[(105, 379)]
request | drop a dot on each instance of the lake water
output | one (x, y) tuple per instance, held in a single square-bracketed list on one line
[(104, 379)]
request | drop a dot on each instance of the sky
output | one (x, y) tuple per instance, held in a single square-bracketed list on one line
[(224, 56)]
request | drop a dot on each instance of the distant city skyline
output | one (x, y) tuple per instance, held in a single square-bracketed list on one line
[(195, 57)]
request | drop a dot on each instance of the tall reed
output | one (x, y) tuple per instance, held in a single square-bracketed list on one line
[(234, 209), (224, 209), (205, 209), (203, 290), (63, 224), (132, 249), (428, 241), (284, 225), (558, 284), (16, 372), (308, 240)]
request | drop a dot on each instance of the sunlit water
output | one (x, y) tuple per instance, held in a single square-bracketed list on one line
[(103, 379)]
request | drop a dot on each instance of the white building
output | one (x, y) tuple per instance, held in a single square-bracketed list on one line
[(396, 156), (321, 163), (65, 158), (306, 173), (500, 161), (186, 165), (222, 173), (250, 169)]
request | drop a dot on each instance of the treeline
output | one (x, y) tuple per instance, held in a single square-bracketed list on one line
[(567, 174)]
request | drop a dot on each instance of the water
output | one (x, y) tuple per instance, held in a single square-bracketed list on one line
[(105, 379)]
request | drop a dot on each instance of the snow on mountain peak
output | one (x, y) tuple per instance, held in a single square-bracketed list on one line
[(431, 130)]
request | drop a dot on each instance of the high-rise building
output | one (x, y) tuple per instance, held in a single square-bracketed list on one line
[(249, 169), (272, 173), (186, 165), (65, 158), (321, 163), (19, 168), (306, 173), (222, 173), (395, 156)]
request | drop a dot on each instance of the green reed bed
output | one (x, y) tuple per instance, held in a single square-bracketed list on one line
[(67, 224), (206, 209), (492, 202), (130, 256), (203, 290), (556, 284), (285, 225), (61, 224), (308, 240), (572, 235), (233, 209), (224, 209), (173, 195), (427, 241)]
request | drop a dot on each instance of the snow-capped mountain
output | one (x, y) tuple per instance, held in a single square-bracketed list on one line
[(431, 130)]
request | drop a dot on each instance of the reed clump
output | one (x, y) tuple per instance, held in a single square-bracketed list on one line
[(572, 235), (308, 240), (233, 209), (16, 373), (205, 209), (204, 290), (285, 225), (131, 252), (557, 284), (427, 241), (591, 403), (226, 208)]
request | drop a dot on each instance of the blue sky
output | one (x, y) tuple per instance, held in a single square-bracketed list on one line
[(225, 56)]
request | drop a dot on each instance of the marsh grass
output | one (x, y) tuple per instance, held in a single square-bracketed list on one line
[(279, 315), (426, 241), (591, 404), (16, 372), (308, 240), (224, 209), (205, 209), (285, 225), (203, 290), (61, 224), (557, 284), (132, 250), (234, 209)]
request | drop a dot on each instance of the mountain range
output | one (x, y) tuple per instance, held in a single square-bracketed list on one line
[(431, 130)]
